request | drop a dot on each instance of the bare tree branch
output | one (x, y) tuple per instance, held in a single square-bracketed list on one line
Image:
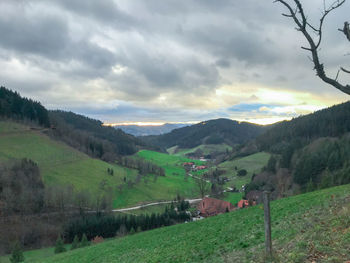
[(298, 15), (346, 30), (345, 70)]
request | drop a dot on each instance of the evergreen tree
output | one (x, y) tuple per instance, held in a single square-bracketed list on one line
[(132, 231), (59, 247), (310, 186), (271, 165), (75, 243), (17, 254), (84, 241)]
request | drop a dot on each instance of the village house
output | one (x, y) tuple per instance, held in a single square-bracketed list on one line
[(194, 167), (201, 167), (245, 203), (211, 207)]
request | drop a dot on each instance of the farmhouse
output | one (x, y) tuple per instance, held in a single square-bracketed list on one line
[(201, 167), (211, 207)]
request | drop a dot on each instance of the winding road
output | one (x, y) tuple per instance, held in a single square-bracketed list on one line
[(191, 201)]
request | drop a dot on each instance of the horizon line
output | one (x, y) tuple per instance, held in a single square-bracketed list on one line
[(261, 121)]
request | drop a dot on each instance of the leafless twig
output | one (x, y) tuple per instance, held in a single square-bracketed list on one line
[(306, 28)]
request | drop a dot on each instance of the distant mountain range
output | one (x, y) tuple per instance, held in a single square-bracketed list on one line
[(137, 130)]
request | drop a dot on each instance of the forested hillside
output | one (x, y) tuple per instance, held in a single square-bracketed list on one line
[(309, 152), (208, 132), (149, 129), (330, 122), (83, 133), (88, 135), (12, 105)]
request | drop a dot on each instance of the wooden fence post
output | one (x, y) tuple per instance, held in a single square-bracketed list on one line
[(268, 243)]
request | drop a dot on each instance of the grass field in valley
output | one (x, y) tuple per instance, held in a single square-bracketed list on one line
[(252, 163), (312, 227), (61, 164), (174, 182)]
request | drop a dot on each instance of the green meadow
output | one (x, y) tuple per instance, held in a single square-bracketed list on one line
[(310, 225), (251, 163), (61, 164)]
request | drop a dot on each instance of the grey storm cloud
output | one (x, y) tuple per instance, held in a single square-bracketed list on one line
[(106, 11), (139, 50), (45, 36)]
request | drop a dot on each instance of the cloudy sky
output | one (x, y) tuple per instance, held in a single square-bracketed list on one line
[(169, 60)]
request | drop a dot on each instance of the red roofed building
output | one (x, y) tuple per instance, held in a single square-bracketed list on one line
[(244, 203), (211, 207), (201, 167)]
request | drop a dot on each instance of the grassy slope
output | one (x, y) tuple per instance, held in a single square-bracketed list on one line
[(311, 225), (58, 163), (233, 198), (165, 188), (252, 163), (206, 148), (174, 182), (61, 164)]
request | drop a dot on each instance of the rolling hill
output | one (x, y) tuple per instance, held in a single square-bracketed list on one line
[(58, 163), (309, 152), (61, 164), (305, 228), (91, 136), (208, 132), (252, 164), (146, 130)]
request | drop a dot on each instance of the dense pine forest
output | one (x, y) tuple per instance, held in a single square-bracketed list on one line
[(12, 105), (309, 152)]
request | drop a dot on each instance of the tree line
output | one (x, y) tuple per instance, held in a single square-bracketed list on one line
[(322, 163), (33, 213), (144, 167), (108, 226), (22, 191), (12, 105), (80, 132), (308, 153), (330, 122), (95, 139)]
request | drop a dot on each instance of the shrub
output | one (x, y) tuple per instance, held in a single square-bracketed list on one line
[(84, 241), (17, 254), (242, 172), (59, 247), (75, 243)]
